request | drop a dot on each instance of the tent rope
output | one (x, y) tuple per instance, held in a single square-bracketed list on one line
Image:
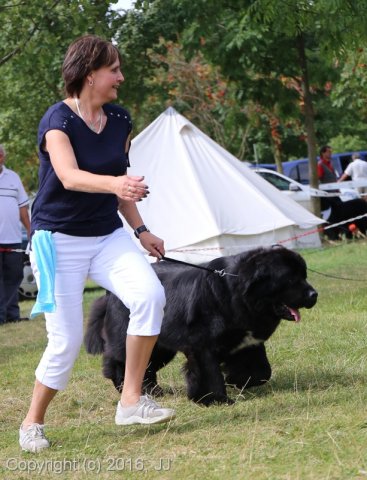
[(310, 232)]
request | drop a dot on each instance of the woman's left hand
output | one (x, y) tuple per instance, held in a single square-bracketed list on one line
[(154, 245)]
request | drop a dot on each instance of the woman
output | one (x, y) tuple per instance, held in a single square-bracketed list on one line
[(83, 150)]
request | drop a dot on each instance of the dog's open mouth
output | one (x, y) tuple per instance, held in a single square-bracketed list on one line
[(289, 313)]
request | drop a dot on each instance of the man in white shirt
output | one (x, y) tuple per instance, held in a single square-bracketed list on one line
[(357, 169), (13, 210)]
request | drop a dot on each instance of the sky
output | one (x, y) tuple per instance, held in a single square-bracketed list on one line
[(125, 4)]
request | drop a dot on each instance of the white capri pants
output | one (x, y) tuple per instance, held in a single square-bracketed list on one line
[(115, 263)]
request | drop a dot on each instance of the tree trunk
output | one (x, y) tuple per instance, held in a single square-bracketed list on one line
[(309, 122), (276, 142), (278, 158)]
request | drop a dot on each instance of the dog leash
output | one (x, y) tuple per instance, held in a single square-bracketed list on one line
[(336, 277), (221, 273)]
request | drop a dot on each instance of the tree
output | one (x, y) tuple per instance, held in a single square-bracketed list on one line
[(350, 93), (256, 42), (33, 41), (141, 32), (200, 92), (318, 28)]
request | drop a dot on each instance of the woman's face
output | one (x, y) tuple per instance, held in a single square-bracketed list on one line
[(107, 80)]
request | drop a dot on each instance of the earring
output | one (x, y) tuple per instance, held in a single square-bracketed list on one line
[(91, 83)]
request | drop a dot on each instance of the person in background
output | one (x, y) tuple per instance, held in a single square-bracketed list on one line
[(326, 174), (13, 210), (357, 169), (325, 169), (83, 144)]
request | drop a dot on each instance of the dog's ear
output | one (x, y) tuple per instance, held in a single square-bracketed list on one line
[(264, 271), (257, 284), (256, 275)]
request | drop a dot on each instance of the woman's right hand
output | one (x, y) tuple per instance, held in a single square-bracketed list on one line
[(130, 188)]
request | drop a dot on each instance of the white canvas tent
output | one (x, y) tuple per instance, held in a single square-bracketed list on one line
[(204, 202)]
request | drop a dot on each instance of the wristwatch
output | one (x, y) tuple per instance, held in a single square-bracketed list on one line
[(140, 230)]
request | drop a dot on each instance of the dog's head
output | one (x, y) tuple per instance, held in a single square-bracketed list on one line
[(273, 281)]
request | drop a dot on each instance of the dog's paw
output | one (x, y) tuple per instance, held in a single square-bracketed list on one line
[(153, 390), (211, 399)]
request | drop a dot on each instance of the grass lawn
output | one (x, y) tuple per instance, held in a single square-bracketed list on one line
[(308, 422)]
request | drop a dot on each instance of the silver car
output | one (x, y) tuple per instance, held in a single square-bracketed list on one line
[(302, 194)]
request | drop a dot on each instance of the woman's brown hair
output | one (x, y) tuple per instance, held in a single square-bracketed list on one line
[(84, 55)]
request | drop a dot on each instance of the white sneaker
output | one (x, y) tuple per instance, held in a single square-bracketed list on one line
[(33, 438), (146, 411)]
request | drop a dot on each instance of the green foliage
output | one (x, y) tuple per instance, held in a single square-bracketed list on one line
[(33, 41), (264, 45), (348, 143), (253, 47), (350, 93)]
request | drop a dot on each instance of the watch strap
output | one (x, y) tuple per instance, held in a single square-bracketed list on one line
[(140, 230)]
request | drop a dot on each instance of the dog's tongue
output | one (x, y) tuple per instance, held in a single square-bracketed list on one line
[(296, 314)]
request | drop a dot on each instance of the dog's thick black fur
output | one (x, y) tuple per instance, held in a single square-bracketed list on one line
[(219, 323)]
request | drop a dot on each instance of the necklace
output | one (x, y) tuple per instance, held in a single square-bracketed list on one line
[(91, 125)]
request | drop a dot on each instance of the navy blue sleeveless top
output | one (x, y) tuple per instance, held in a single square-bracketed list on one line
[(79, 213)]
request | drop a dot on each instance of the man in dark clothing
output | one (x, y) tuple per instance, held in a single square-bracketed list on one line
[(325, 169), (326, 174)]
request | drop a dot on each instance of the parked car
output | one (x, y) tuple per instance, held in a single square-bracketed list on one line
[(302, 194), (298, 170)]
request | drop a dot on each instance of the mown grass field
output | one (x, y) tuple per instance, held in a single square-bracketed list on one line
[(309, 422)]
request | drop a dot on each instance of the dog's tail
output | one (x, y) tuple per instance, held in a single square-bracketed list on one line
[(93, 339)]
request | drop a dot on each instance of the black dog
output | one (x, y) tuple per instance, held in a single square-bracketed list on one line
[(219, 323), (341, 211)]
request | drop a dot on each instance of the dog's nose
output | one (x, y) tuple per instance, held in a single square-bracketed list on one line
[(313, 294), (312, 298)]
